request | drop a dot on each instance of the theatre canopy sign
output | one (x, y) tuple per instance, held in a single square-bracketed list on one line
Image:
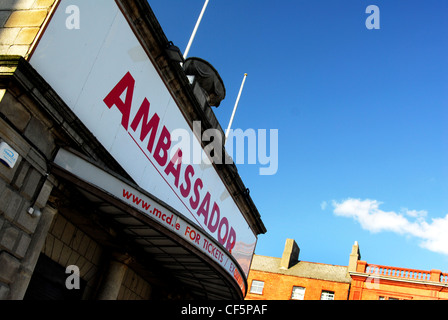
[(105, 76)]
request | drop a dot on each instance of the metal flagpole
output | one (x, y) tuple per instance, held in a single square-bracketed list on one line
[(236, 105), (195, 29)]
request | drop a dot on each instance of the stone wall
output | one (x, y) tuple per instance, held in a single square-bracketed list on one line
[(68, 245), (24, 191), (134, 287), (28, 225)]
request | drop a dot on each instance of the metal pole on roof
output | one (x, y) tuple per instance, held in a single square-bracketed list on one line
[(236, 106), (195, 29)]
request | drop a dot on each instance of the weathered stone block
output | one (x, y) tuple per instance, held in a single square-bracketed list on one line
[(8, 35), (90, 273), (43, 3), (77, 239), (39, 135), (24, 220), (48, 245), (8, 173), (13, 138), (9, 266), (26, 18), (18, 50), (31, 182), (4, 50), (2, 187), (8, 238), (83, 248), (14, 110), (68, 234), (64, 255), (85, 268), (16, 4), (20, 176), (57, 228), (57, 249), (26, 36), (22, 245), (44, 194), (91, 250), (80, 264), (73, 259), (4, 292), (12, 204), (4, 199), (37, 161), (4, 15)]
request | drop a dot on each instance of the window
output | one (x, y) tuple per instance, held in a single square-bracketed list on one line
[(298, 293), (387, 298), (327, 295), (257, 287)]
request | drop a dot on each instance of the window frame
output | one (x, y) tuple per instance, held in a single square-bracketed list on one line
[(327, 293), (255, 289), (302, 293), (389, 298)]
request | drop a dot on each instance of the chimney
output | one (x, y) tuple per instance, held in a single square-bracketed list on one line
[(290, 255), (354, 257)]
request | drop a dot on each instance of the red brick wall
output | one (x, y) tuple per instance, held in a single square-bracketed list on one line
[(371, 289), (279, 287)]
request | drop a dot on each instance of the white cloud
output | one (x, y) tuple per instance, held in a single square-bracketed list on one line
[(415, 213), (433, 235)]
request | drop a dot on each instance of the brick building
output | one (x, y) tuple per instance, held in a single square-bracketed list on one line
[(288, 278), (377, 282), (88, 208)]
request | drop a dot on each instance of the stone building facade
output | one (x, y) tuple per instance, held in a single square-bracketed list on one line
[(26, 186)]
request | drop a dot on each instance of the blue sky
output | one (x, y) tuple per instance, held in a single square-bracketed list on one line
[(361, 115)]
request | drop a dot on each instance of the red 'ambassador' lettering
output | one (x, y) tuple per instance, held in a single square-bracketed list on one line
[(190, 188)]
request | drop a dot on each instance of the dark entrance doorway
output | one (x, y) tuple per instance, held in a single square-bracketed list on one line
[(48, 282)]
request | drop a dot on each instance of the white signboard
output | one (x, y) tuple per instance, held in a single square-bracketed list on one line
[(8, 155), (100, 70)]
